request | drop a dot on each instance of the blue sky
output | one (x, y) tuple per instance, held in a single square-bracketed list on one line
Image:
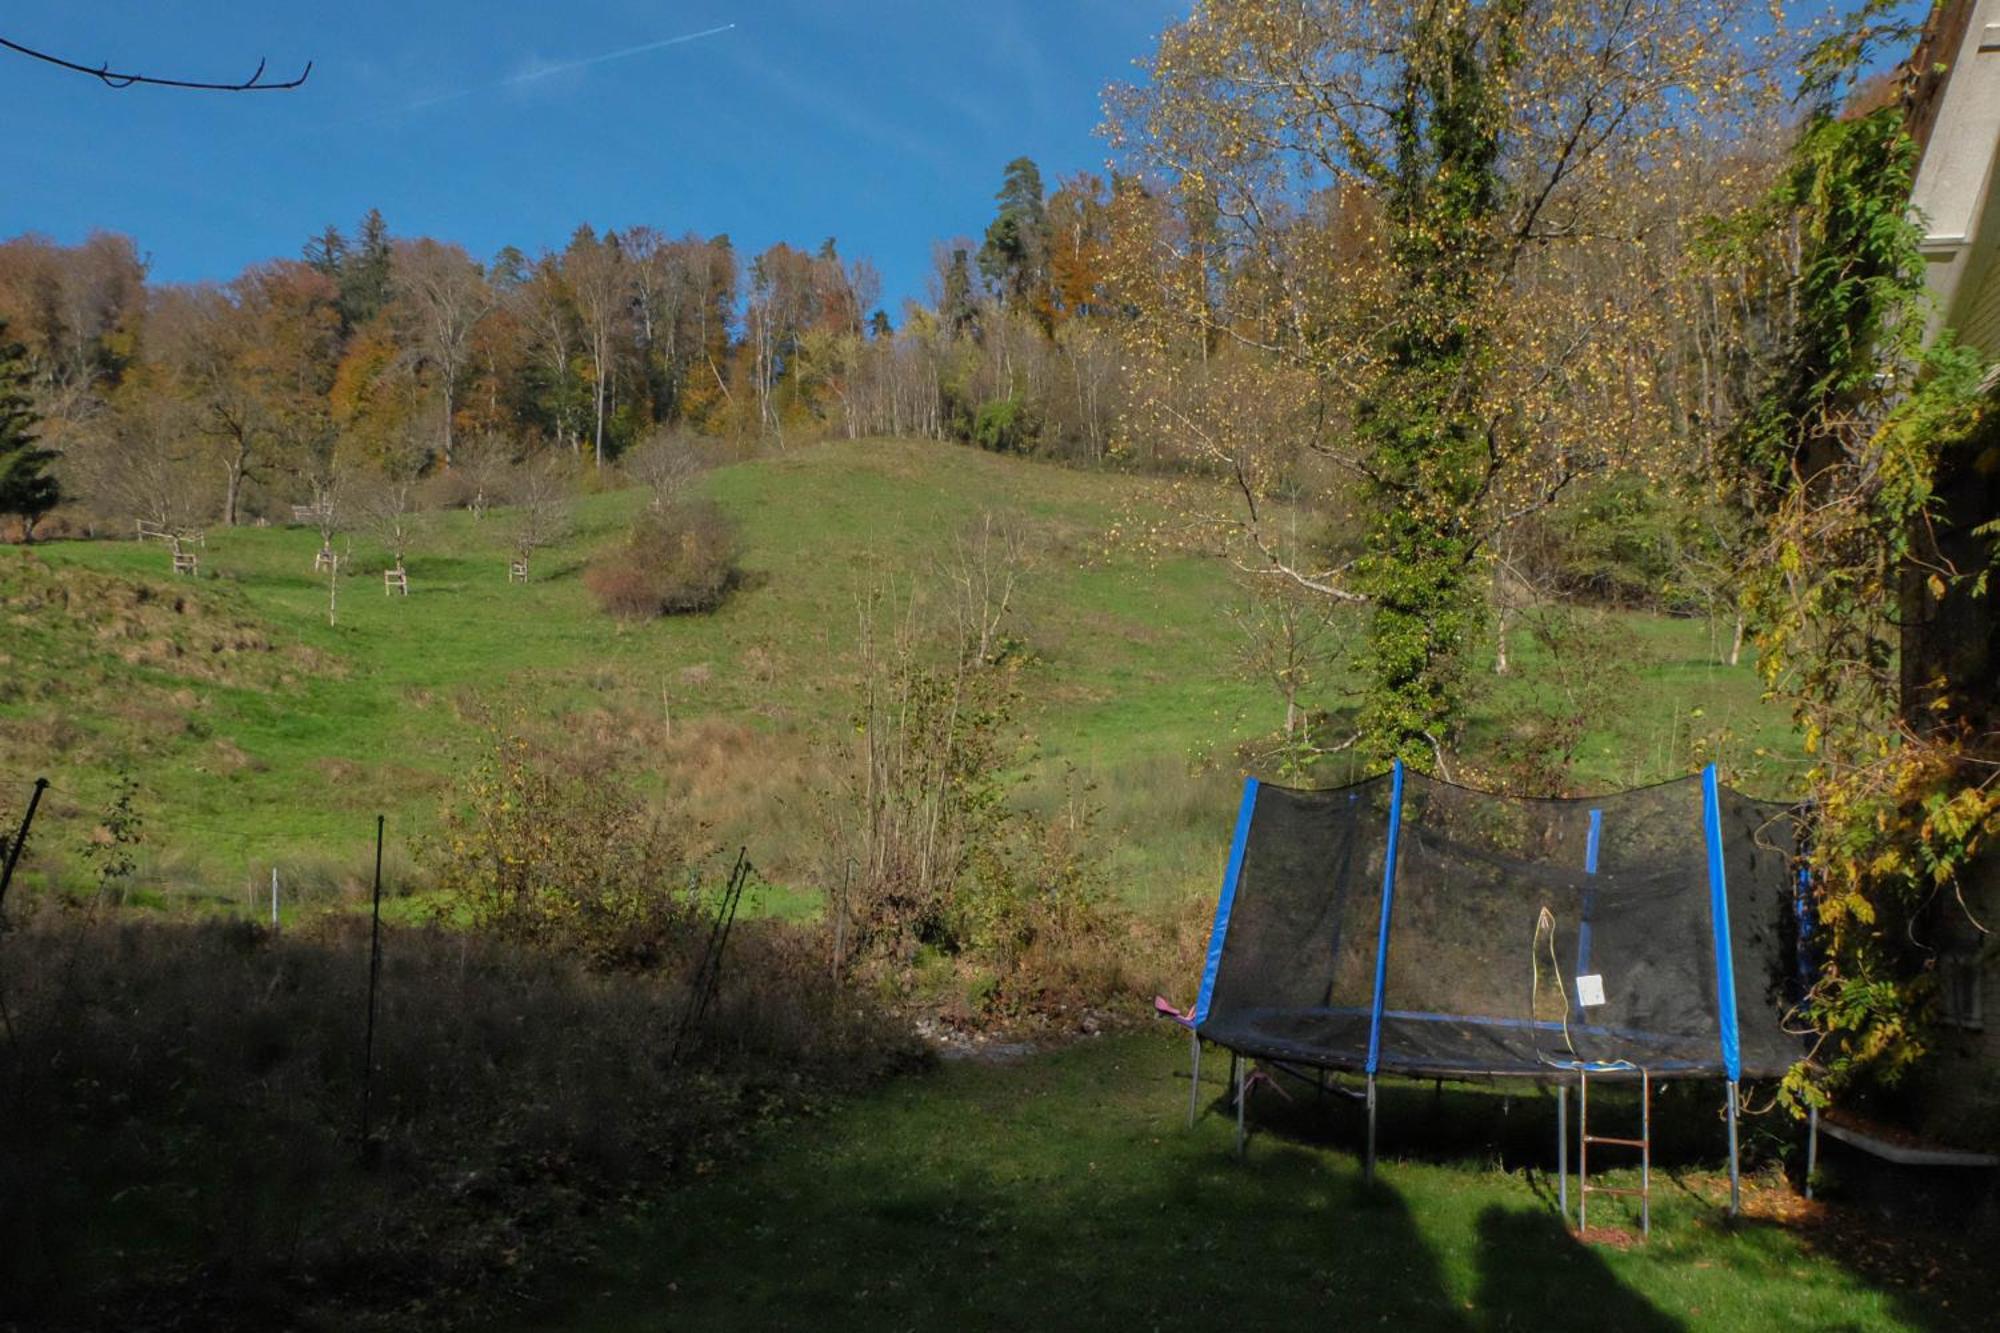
[(882, 122)]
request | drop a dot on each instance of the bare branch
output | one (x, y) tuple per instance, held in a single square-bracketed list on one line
[(112, 78)]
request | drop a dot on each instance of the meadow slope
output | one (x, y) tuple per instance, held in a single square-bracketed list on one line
[(260, 735)]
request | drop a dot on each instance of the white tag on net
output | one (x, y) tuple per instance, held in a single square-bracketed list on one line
[(1590, 990)]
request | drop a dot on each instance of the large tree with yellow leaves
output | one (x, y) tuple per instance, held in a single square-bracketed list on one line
[(1419, 236)]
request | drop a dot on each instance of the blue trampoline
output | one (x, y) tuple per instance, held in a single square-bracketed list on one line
[(1404, 925)]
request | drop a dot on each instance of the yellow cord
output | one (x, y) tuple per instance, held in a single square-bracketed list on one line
[(1545, 928)]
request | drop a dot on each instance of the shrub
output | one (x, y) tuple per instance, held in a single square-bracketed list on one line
[(622, 588), (1614, 544), (680, 559), (1037, 906), (948, 875), (561, 856), (1007, 426)]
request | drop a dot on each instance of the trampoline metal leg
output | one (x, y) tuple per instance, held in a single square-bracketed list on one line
[(1562, 1150), (1812, 1147), (1646, 1153), (1194, 1076), (1236, 1079), (1368, 1155), (1582, 1151), (1735, 1173)]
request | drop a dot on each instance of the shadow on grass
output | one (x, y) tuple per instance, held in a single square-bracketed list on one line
[(1534, 1274), (1063, 1192), (1530, 1264), (1035, 1197), (1511, 1125), (878, 1247)]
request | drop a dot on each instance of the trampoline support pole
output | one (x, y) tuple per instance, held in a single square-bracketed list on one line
[(1368, 1157), (1562, 1150), (1194, 1076), (1735, 1174), (1812, 1147), (1236, 1079)]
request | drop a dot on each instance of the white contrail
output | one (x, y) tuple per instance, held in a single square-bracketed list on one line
[(544, 71)]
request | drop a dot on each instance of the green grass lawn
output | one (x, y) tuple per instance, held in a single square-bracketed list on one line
[(1063, 1191), (283, 757), (1060, 1191)]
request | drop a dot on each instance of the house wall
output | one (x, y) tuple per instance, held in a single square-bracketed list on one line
[(1956, 178), (1959, 1090), (1956, 114)]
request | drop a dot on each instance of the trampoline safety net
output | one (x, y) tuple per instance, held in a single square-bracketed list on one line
[(1406, 925)]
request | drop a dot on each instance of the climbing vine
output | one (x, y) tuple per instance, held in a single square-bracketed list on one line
[(1420, 428), (1839, 459)]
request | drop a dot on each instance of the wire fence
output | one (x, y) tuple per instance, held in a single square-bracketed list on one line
[(41, 821), (89, 835)]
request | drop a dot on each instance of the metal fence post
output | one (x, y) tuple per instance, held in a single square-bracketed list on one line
[(21, 838), (374, 984)]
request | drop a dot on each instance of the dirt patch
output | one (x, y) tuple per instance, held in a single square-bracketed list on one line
[(1610, 1238), (338, 770), (1008, 1042), (233, 758)]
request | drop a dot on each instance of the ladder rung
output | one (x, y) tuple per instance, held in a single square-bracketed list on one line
[(1611, 1189), (1624, 1143)]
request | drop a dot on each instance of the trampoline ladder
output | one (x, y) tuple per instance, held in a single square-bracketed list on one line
[(1644, 1143)]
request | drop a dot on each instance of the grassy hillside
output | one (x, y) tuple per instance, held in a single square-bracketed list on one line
[(260, 735)]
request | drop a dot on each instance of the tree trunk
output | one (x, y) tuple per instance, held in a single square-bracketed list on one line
[(1736, 641), (600, 415), (234, 493), (450, 392)]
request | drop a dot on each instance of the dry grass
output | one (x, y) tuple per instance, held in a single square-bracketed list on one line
[(162, 625)]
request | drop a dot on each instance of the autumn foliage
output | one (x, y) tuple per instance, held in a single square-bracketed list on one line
[(680, 559)]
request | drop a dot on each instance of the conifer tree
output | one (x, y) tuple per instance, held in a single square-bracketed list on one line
[(958, 310), (364, 272), (26, 488), (326, 252), (1015, 256)]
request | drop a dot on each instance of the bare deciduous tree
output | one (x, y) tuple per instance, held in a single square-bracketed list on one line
[(135, 463), (1289, 636), (984, 570), (541, 508), (389, 509), (665, 464), (602, 289), (443, 296), (481, 471)]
